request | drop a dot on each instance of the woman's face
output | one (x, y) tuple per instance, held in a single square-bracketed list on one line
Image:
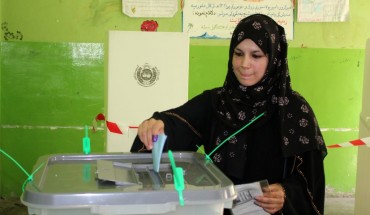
[(249, 63)]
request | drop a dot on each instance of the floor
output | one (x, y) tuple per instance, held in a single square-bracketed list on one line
[(340, 206), (333, 206), (12, 207)]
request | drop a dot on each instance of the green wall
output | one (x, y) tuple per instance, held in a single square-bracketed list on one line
[(0, 111), (53, 81)]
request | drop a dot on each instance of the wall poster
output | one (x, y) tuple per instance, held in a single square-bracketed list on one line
[(214, 19)]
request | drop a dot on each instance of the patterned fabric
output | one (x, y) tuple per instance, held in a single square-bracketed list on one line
[(236, 105)]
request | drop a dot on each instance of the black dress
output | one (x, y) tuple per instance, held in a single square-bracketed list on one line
[(302, 175)]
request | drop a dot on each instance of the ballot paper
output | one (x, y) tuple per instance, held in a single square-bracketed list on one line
[(118, 173), (158, 144), (244, 203)]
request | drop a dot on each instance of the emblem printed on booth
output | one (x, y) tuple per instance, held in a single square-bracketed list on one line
[(146, 75)]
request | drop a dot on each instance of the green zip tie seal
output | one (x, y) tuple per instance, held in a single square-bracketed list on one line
[(178, 178), (29, 176), (208, 157), (86, 142)]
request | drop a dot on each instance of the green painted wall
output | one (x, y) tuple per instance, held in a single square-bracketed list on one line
[(53, 80), (0, 109)]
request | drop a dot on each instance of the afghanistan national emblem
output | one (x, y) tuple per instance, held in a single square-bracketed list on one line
[(146, 75)]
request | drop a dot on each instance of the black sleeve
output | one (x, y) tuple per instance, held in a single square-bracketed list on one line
[(186, 126), (305, 185)]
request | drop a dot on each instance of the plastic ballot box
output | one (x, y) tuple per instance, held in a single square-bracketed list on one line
[(125, 183)]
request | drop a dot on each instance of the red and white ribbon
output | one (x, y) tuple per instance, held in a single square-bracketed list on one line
[(112, 126), (122, 129), (359, 142)]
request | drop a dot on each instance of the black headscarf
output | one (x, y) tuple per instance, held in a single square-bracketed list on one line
[(236, 105)]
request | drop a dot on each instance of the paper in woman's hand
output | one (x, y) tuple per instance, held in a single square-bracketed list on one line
[(244, 203)]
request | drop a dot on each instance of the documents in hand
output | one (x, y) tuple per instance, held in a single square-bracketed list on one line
[(244, 203)]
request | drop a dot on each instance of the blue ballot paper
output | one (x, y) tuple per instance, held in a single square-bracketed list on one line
[(158, 144)]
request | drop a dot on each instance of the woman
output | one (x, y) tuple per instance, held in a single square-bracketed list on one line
[(283, 145)]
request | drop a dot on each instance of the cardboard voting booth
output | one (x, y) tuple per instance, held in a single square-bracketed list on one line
[(147, 72)]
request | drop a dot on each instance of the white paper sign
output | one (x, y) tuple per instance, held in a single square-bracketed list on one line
[(211, 19), (147, 72), (149, 8), (323, 10)]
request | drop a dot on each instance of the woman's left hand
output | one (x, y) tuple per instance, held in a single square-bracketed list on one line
[(272, 201)]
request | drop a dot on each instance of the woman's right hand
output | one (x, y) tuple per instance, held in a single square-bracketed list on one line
[(148, 129)]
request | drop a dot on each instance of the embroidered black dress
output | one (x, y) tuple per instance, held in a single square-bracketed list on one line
[(302, 175)]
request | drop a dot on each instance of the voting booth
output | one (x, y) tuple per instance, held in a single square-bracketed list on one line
[(147, 72), (362, 195)]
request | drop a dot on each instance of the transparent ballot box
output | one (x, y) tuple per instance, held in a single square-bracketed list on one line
[(125, 183)]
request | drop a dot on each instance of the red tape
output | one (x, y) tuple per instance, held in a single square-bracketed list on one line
[(359, 142), (112, 126)]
